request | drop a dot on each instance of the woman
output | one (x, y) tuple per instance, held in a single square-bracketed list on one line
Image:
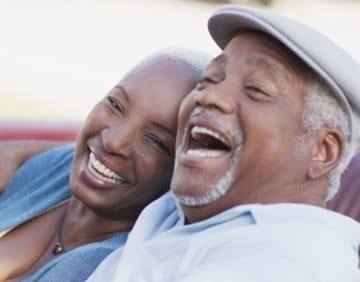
[(123, 159)]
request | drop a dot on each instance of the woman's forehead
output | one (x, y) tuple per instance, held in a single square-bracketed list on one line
[(163, 76), (150, 109), (160, 67)]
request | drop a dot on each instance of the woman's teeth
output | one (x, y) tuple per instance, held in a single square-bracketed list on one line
[(100, 171)]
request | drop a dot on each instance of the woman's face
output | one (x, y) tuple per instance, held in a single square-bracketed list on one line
[(124, 154)]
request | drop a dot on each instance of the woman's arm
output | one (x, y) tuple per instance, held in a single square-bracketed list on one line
[(15, 152), (20, 140)]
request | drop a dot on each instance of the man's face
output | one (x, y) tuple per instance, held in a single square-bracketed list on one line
[(240, 129)]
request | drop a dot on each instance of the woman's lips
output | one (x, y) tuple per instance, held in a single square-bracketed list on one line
[(96, 174), (100, 171)]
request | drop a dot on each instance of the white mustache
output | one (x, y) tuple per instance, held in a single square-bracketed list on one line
[(237, 136)]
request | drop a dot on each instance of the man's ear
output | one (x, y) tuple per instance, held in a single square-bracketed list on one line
[(327, 151)]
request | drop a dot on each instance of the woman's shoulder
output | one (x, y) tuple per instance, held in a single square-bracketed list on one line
[(88, 256), (39, 184), (59, 154)]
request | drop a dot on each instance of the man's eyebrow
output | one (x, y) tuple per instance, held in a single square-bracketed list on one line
[(123, 92), (164, 128), (261, 62)]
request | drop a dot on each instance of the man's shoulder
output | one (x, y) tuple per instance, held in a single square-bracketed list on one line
[(304, 215), (284, 238), (295, 225), (159, 216)]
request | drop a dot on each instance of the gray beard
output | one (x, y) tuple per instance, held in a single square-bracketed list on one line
[(211, 196)]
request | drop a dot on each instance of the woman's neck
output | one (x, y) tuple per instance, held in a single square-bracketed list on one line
[(82, 225)]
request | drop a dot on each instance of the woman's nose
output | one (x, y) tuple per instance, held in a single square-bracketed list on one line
[(119, 140)]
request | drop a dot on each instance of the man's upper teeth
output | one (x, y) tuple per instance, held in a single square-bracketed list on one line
[(203, 130), (100, 167)]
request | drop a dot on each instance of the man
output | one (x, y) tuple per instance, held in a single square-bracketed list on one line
[(262, 141)]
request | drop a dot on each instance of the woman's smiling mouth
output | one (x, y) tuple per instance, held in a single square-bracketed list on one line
[(103, 173)]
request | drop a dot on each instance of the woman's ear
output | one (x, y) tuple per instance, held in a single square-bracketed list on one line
[(327, 151)]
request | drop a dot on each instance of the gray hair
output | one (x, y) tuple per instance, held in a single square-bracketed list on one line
[(322, 109), (195, 59)]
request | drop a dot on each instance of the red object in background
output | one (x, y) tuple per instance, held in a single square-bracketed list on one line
[(38, 129)]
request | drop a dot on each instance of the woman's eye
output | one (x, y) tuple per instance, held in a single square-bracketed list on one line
[(158, 143), (115, 104)]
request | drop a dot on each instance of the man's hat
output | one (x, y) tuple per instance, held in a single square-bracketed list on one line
[(337, 69)]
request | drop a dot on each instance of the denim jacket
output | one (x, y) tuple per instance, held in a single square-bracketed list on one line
[(39, 184)]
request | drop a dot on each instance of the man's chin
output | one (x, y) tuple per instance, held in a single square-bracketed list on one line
[(193, 192), (196, 201)]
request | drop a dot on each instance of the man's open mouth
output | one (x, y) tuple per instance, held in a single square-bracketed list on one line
[(205, 142), (101, 172)]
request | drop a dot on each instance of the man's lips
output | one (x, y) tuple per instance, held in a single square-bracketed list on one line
[(205, 142), (209, 137), (98, 170)]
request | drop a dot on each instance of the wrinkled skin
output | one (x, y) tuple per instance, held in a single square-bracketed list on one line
[(253, 96)]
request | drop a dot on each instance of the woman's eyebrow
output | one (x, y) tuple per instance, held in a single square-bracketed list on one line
[(164, 128), (123, 92)]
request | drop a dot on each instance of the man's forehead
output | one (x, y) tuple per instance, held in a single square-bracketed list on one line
[(260, 59), (263, 43)]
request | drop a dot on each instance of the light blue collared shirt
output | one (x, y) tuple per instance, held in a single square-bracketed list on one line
[(278, 242)]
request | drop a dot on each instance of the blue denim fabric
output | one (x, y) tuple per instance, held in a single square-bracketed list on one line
[(77, 264), (39, 184)]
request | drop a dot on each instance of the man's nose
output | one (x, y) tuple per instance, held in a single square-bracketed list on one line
[(216, 97), (119, 140)]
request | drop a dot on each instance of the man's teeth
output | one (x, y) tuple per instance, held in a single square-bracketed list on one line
[(102, 172), (204, 153), (196, 130), (197, 153)]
